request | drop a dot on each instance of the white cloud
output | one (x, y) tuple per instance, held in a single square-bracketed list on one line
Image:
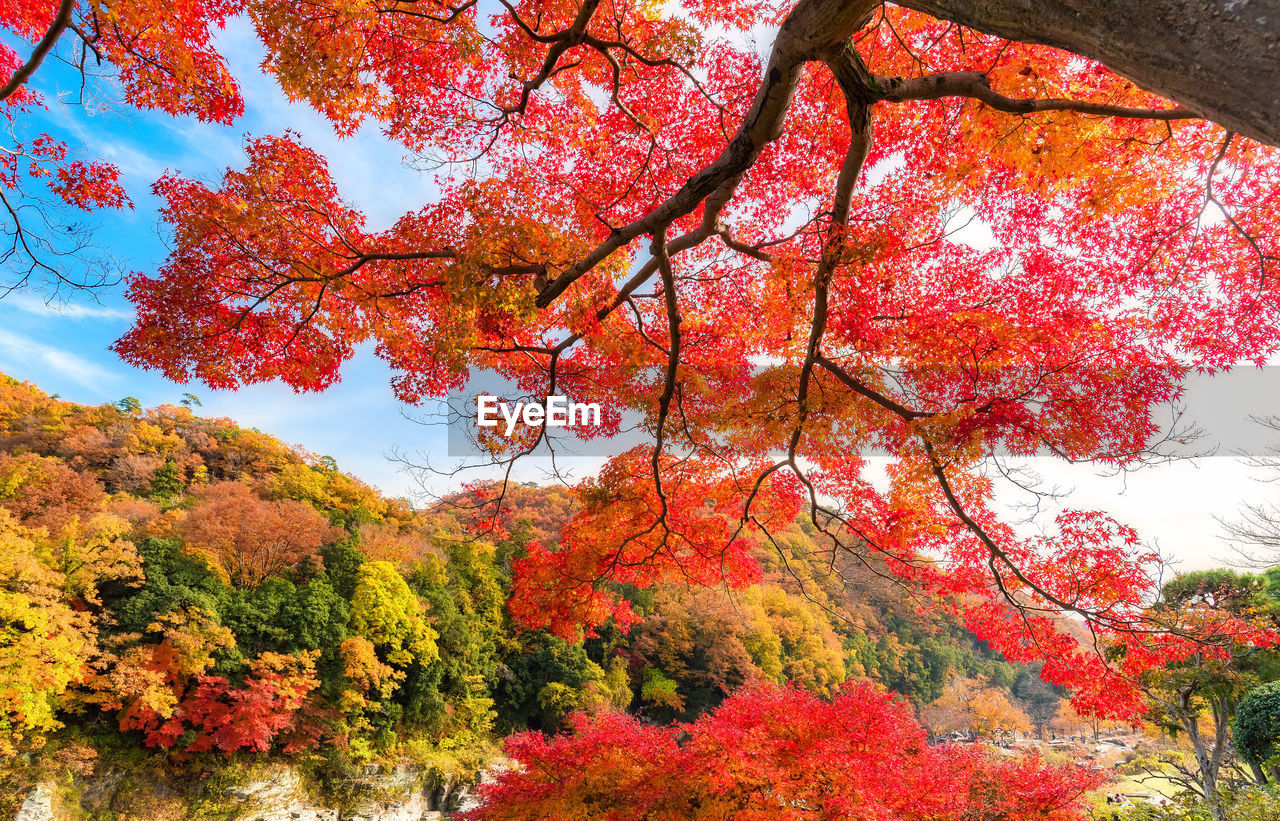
[(28, 354), (139, 166), (32, 304)]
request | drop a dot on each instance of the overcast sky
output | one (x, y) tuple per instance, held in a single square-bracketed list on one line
[(63, 348)]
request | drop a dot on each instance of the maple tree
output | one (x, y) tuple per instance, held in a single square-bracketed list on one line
[(164, 690), (764, 260), (771, 752), (761, 257), (40, 492), (250, 716), (394, 644)]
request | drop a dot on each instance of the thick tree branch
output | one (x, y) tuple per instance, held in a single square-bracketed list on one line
[(813, 29), (818, 28), (1218, 58), (60, 22), (673, 363)]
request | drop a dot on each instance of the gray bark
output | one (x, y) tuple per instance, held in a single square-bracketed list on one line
[(1209, 757), (1219, 58)]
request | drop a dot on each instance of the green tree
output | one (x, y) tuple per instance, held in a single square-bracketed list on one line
[(541, 671), (1209, 683), (1257, 729), (465, 598), (166, 482), (1040, 699), (175, 581), (280, 616)]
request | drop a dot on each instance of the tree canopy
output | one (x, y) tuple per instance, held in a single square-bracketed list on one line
[(891, 228), (774, 753)]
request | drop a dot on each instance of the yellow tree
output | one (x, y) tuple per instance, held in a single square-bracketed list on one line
[(394, 620), (969, 705), (992, 712), (45, 644)]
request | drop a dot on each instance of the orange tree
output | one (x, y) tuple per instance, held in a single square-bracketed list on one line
[(760, 254)]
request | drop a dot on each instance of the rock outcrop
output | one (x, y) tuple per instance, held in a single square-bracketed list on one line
[(38, 805), (278, 794)]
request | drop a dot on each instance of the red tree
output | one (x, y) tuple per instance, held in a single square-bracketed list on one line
[(758, 255), (206, 712), (764, 261), (774, 753)]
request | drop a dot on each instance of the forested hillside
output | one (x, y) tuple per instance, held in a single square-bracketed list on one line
[(182, 593)]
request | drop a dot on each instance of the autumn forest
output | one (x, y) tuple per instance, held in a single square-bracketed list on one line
[(234, 596), (830, 283)]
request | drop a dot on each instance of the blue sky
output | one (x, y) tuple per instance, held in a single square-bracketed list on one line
[(64, 348)]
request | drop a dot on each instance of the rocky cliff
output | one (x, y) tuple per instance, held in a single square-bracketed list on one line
[(275, 794)]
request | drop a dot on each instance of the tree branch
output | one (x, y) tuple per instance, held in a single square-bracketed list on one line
[(60, 22), (976, 85), (812, 30), (1216, 58)]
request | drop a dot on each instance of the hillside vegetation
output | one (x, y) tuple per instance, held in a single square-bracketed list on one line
[(185, 595)]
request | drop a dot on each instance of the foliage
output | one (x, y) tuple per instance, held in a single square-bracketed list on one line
[(1197, 695), (1256, 729), (764, 267), (215, 715), (248, 539), (770, 752), (385, 610), (661, 691), (756, 256), (263, 605), (45, 643), (969, 706), (543, 678), (1250, 804)]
